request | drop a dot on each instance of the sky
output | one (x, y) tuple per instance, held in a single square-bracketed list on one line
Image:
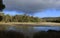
[(47, 13), (38, 8)]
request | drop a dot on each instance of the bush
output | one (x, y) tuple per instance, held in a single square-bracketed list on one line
[(48, 34), (11, 34)]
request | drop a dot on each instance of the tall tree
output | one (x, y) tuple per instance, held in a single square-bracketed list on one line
[(2, 6), (1, 16)]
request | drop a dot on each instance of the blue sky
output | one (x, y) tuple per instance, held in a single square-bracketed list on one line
[(46, 13), (49, 13), (11, 12)]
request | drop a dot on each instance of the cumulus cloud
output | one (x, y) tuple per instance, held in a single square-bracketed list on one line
[(31, 6)]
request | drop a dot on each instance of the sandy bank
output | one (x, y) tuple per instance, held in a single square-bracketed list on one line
[(31, 24)]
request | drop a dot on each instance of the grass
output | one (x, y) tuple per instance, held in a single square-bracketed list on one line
[(30, 23)]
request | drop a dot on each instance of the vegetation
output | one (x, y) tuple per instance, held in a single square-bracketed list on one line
[(52, 19), (11, 34), (41, 34), (25, 18), (2, 6), (48, 34), (18, 18)]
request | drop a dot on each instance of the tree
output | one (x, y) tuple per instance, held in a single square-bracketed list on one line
[(1, 16), (2, 6), (18, 18), (8, 18)]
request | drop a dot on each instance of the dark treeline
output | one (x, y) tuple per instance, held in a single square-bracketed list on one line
[(18, 18), (52, 19), (41, 34)]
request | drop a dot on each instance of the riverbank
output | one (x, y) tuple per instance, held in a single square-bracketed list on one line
[(30, 24)]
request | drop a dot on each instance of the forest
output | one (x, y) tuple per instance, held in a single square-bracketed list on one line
[(52, 19), (26, 18), (18, 18)]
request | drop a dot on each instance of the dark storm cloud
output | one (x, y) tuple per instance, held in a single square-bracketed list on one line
[(29, 6)]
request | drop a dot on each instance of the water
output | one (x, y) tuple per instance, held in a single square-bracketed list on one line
[(35, 29), (30, 30), (46, 28)]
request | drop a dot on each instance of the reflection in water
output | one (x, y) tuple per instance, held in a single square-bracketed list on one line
[(30, 32), (11, 28), (46, 28), (35, 29)]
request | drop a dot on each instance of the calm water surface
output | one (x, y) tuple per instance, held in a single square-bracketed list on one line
[(35, 29)]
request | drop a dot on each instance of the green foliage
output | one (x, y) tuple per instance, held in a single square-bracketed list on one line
[(26, 18), (18, 18)]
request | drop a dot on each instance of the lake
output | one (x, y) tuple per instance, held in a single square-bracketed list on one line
[(34, 28), (29, 30)]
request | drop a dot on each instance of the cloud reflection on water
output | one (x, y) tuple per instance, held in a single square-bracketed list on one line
[(47, 28), (41, 28)]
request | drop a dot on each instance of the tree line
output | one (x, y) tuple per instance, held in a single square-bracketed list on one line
[(52, 19), (18, 18), (26, 18)]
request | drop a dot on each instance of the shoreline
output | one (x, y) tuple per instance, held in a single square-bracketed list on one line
[(30, 24)]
